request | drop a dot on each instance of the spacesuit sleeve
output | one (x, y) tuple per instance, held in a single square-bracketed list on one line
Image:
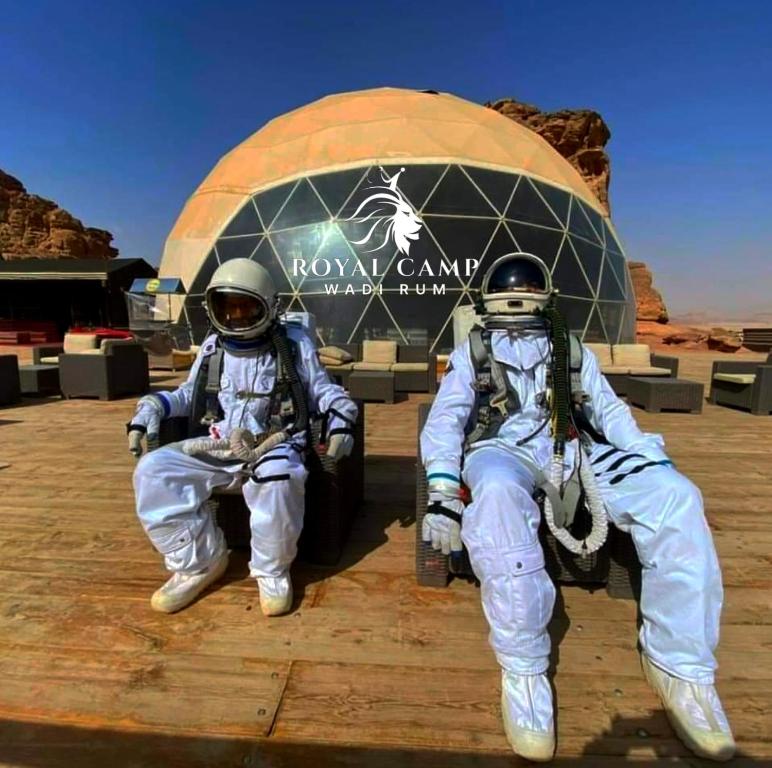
[(324, 396), (442, 438), (613, 417), (177, 402)]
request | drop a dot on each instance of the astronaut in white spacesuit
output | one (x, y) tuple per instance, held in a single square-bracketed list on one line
[(504, 450), (258, 380)]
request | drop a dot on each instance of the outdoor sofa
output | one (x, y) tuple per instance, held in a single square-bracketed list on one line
[(618, 362), (742, 384)]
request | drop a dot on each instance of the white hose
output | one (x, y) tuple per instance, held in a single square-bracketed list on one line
[(241, 444), (599, 530)]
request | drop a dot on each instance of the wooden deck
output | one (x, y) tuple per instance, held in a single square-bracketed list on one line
[(368, 669)]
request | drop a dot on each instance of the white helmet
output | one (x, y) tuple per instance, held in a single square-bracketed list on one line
[(241, 299), (517, 284)]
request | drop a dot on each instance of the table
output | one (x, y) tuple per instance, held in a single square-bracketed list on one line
[(39, 379), (372, 386), (658, 393)]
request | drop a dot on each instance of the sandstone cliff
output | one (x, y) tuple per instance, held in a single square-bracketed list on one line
[(580, 135), (33, 226), (648, 299)]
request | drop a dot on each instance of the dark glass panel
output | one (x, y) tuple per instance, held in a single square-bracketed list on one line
[(303, 207), (609, 289), (205, 272), (296, 249), (421, 317), (237, 247), (416, 182), (627, 332), (544, 243), (591, 258), (245, 222), (611, 242), (335, 188), (595, 331), (461, 239), (377, 324), (618, 265), (557, 199), (336, 316), (578, 223), (196, 316), (335, 263), (265, 256), (575, 312), (424, 258), (496, 186), (567, 275), (612, 318), (501, 244), (456, 195), (526, 205), (595, 221), (270, 202)]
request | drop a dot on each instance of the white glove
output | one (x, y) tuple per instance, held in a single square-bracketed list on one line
[(146, 420), (440, 530), (340, 445)]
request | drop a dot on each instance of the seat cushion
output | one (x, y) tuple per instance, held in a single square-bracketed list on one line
[(410, 367), (339, 366), (336, 354), (602, 352), (53, 360), (736, 378), (649, 370), (634, 355), (366, 366), (615, 369), (379, 352), (80, 342)]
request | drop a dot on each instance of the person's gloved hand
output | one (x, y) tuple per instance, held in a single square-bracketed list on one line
[(146, 421), (340, 445), (442, 523)]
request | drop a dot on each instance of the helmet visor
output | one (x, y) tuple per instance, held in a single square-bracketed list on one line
[(237, 311), (517, 275)]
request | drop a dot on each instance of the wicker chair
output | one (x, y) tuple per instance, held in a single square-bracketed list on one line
[(334, 492), (117, 367), (742, 384), (615, 564)]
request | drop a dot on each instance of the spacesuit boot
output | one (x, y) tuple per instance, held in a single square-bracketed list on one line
[(528, 714), (275, 594), (694, 711), (183, 588)]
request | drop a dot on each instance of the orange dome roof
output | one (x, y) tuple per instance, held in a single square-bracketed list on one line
[(372, 127)]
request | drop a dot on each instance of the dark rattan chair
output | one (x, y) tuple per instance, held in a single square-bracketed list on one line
[(615, 564), (117, 368), (742, 384), (10, 390)]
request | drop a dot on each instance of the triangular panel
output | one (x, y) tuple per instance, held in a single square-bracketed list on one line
[(416, 182), (579, 224), (270, 202), (461, 239), (455, 195), (501, 244), (618, 266), (237, 247), (612, 244), (336, 316), (595, 221), (556, 199), (335, 188), (595, 332), (376, 323), (265, 256), (612, 314), (527, 205), (591, 258), (567, 275), (303, 207), (296, 249), (334, 262), (575, 312), (541, 242), (609, 288), (421, 317), (205, 272), (245, 222), (495, 185)]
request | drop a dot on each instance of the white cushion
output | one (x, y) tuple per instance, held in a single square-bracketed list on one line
[(379, 352), (367, 366), (340, 367), (634, 355), (736, 378), (54, 360), (410, 367), (615, 369), (649, 370), (336, 353), (602, 352), (80, 342)]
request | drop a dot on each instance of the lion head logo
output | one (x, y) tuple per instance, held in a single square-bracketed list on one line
[(401, 224)]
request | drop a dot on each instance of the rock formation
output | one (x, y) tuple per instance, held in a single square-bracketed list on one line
[(649, 301), (580, 135), (32, 226)]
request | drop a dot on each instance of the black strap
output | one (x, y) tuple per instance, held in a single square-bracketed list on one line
[(436, 508), (136, 428), (269, 478)]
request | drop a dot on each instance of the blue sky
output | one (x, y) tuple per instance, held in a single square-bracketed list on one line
[(118, 110)]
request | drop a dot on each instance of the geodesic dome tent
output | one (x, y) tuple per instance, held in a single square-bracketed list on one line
[(379, 211)]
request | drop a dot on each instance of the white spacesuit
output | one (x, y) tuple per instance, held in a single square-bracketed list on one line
[(268, 381), (642, 494)]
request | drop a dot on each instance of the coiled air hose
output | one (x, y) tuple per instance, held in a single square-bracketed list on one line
[(562, 422), (243, 444)]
